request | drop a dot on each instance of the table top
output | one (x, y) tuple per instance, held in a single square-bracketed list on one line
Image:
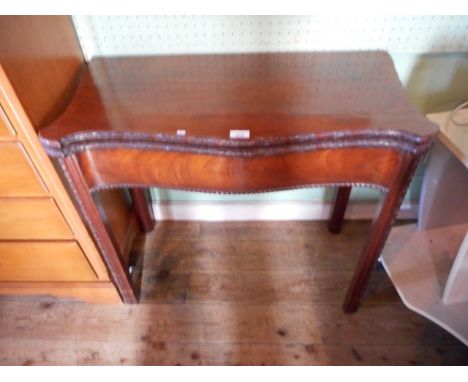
[(270, 95), (453, 135)]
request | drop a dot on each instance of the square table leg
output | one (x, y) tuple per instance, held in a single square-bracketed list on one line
[(379, 231), (339, 209), (143, 210), (396, 186), (90, 214)]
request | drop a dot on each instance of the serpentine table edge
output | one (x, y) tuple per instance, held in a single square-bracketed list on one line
[(335, 148)]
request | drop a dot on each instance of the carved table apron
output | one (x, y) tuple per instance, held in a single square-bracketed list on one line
[(303, 119)]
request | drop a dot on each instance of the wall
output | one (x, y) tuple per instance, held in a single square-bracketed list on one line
[(429, 52)]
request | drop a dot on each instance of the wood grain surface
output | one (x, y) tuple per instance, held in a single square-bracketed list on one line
[(233, 293), (44, 261), (312, 119), (42, 58), (339, 209), (119, 167), (99, 292), (6, 129), (32, 219), (18, 176), (272, 95)]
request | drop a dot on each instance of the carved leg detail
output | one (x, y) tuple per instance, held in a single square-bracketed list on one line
[(339, 209), (380, 228), (142, 206), (93, 220)]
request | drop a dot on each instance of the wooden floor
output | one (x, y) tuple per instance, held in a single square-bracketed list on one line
[(229, 294)]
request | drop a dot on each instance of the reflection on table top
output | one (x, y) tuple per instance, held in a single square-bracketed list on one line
[(271, 95)]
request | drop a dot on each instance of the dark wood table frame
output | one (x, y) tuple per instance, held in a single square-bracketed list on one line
[(302, 134)]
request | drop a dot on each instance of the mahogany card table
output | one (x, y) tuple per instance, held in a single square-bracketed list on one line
[(240, 123)]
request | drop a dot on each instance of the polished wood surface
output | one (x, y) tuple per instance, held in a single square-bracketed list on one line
[(40, 62), (32, 219), (43, 261), (90, 212), (272, 95), (115, 209), (25, 134), (233, 293), (42, 58), (339, 209), (143, 208), (106, 168), (101, 292), (380, 227), (6, 130), (313, 119), (18, 177)]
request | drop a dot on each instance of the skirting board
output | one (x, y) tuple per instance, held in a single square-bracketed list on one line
[(258, 211)]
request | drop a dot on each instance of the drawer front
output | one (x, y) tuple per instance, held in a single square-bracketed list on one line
[(43, 261), (6, 130), (18, 176), (32, 219)]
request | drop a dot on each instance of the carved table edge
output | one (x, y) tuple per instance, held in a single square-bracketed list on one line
[(94, 140)]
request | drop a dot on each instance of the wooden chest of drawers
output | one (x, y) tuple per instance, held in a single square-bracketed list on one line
[(44, 246), (42, 261), (6, 130), (17, 173)]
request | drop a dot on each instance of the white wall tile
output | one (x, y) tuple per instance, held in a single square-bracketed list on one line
[(142, 35)]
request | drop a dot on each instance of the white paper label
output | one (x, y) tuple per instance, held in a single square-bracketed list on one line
[(239, 134), (181, 133)]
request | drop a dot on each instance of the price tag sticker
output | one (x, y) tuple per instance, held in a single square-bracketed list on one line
[(239, 134), (181, 133)]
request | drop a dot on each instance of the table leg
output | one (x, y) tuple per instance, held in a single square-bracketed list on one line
[(380, 228), (339, 209), (142, 206), (98, 230)]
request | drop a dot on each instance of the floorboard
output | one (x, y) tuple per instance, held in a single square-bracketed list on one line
[(241, 293)]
